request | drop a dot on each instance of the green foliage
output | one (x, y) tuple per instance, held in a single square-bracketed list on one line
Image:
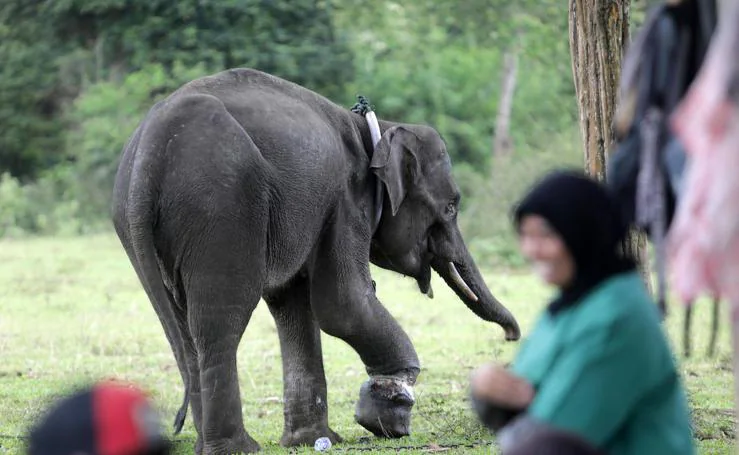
[(104, 117), (431, 93), (294, 39), (487, 201), (12, 212), (83, 73), (74, 197), (453, 82), (43, 207), (30, 135), (54, 51)]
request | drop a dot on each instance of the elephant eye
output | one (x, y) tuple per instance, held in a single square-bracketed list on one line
[(451, 209)]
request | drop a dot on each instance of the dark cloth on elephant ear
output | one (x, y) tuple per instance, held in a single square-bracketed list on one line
[(588, 219)]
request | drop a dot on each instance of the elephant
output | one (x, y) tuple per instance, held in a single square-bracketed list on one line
[(241, 186)]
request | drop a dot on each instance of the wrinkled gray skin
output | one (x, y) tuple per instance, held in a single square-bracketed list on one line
[(241, 185)]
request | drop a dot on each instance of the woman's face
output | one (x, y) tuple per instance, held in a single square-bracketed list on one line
[(544, 248)]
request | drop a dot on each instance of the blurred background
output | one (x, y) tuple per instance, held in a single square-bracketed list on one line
[(493, 76)]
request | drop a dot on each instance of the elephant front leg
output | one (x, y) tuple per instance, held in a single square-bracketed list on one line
[(350, 311), (304, 380)]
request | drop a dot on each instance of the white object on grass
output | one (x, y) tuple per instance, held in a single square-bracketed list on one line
[(322, 444)]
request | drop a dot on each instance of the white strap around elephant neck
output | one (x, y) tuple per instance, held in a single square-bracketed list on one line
[(374, 127), (375, 133)]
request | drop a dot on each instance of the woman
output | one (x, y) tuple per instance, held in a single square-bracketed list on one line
[(596, 367)]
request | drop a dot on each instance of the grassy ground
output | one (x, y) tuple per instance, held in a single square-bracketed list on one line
[(73, 312)]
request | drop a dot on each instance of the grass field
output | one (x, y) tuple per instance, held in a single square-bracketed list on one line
[(73, 312)]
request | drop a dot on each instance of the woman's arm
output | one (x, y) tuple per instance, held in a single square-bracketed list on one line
[(492, 415), (498, 395)]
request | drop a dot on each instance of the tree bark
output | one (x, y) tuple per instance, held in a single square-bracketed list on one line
[(599, 33), (502, 143)]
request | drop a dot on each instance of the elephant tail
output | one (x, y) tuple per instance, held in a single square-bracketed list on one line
[(141, 207)]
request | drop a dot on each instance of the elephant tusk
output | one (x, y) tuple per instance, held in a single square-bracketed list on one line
[(459, 281), (430, 292)]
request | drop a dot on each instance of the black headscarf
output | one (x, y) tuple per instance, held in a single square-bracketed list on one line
[(589, 221)]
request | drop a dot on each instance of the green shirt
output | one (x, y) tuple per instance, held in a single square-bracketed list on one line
[(604, 369)]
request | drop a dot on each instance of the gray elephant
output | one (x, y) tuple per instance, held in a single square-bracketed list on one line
[(241, 186)]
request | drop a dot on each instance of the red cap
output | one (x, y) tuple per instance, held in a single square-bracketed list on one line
[(105, 419)]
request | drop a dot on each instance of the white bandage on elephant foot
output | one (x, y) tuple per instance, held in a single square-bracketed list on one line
[(384, 406), (392, 388)]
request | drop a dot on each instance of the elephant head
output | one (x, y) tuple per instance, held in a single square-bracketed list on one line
[(418, 230)]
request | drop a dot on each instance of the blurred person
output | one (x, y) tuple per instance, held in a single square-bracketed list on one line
[(106, 418), (596, 374)]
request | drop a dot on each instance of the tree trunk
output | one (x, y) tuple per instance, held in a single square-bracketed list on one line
[(502, 144), (599, 32)]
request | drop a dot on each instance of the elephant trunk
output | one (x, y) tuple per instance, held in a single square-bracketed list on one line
[(462, 275)]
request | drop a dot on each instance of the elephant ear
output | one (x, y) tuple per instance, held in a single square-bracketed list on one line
[(395, 163)]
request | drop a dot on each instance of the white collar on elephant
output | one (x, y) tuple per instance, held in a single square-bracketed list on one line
[(363, 108)]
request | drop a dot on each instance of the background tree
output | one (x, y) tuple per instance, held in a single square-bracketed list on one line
[(599, 34), (599, 31)]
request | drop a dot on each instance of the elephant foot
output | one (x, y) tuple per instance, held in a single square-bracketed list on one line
[(308, 435), (384, 407), (241, 444)]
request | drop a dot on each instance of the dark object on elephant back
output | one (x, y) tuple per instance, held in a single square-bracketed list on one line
[(362, 106)]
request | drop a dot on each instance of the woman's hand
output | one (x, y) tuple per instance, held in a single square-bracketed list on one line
[(495, 384)]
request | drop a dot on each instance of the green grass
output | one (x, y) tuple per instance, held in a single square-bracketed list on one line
[(73, 312)]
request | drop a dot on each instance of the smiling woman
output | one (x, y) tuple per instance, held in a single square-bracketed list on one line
[(569, 229), (597, 368)]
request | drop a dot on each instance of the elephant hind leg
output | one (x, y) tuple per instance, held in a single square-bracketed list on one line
[(223, 286), (304, 380), (165, 308), (190, 367)]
